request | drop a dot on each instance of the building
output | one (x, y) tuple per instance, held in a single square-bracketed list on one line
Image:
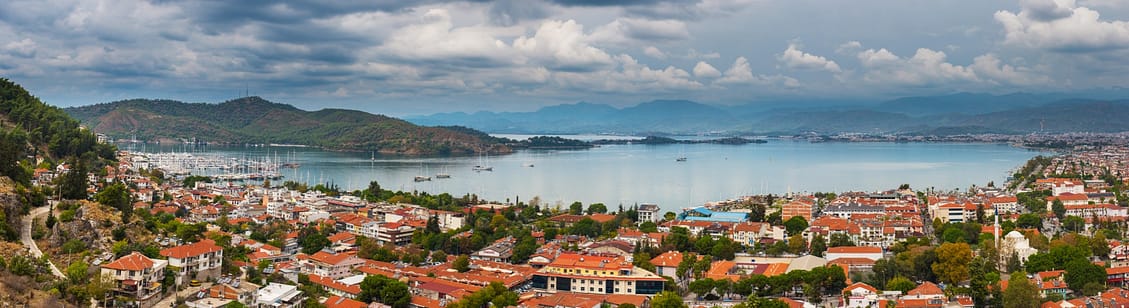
[(276, 295), (596, 275), (1015, 243), (796, 208), (394, 233), (649, 212), (872, 253), (500, 251), (201, 260), (666, 264), (955, 212), (333, 266), (137, 277), (861, 295), (846, 210)]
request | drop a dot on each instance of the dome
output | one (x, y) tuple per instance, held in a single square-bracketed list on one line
[(1014, 234)]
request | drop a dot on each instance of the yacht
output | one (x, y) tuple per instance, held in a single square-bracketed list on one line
[(420, 178)]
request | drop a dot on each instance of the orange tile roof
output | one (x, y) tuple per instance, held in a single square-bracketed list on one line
[(334, 284), (854, 249), (775, 269), (861, 285), (132, 262), (668, 259), (341, 302), (720, 270), (926, 288), (191, 250), (590, 261), (328, 258)]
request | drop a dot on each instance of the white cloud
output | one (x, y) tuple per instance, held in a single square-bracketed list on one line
[(629, 30), (435, 38), (654, 52), (926, 67), (562, 45), (742, 73), (990, 67), (23, 48), (705, 70), (848, 47), (1061, 25), (794, 58)]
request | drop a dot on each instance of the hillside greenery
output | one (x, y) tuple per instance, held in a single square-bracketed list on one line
[(255, 120)]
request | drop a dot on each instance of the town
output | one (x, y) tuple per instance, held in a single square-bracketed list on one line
[(1050, 237)]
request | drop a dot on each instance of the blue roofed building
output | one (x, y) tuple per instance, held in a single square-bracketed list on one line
[(701, 213)]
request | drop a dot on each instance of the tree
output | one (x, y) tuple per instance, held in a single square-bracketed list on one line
[(461, 264), (384, 290), (116, 196), (668, 299), (595, 208), (1058, 208), (841, 239), (1073, 223), (72, 185), (900, 283), (668, 216), (1029, 221), (796, 244), (1021, 293), (952, 262), (818, 245), (576, 208), (1099, 244), (1080, 272), (795, 225), (76, 273), (953, 235), (648, 226), (701, 287)]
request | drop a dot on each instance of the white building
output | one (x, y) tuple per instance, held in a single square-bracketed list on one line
[(276, 295), (137, 277), (649, 212), (1015, 242), (861, 295), (201, 260), (868, 252)]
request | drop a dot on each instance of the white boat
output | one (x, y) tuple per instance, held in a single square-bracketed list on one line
[(482, 168), (420, 178), (527, 165)]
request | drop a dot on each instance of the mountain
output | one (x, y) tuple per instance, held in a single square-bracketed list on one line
[(955, 114), (255, 120)]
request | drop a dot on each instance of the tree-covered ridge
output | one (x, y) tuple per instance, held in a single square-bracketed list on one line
[(30, 128), (255, 120)]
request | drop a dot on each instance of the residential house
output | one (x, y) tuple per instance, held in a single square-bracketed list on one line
[(332, 265), (201, 260), (276, 295), (596, 274), (137, 277)]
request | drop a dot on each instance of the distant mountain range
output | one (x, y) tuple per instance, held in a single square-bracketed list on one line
[(255, 120), (963, 113)]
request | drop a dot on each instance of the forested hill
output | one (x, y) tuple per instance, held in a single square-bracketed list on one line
[(31, 128), (255, 120)]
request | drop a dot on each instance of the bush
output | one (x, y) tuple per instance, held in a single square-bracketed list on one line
[(67, 216), (74, 246)]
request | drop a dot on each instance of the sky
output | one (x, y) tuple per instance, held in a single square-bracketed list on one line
[(402, 57)]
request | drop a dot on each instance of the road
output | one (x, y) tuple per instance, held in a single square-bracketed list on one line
[(25, 237)]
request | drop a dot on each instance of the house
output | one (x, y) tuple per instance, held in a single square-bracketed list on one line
[(748, 233), (1004, 204), (955, 212), (861, 295), (666, 264), (343, 302), (926, 290), (137, 277), (649, 212), (334, 266), (597, 275), (200, 261), (348, 287), (279, 296), (500, 251)]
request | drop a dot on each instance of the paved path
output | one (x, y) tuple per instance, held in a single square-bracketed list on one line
[(25, 237)]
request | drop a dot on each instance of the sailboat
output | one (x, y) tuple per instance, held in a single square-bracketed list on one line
[(373, 156), (681, 155), (482, 166), (443, 175), (422, 178)]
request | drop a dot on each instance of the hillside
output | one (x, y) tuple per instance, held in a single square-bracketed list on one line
[(955, 114), (255, 120)]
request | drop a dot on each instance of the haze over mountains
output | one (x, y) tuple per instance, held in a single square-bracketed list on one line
[(961, 113)]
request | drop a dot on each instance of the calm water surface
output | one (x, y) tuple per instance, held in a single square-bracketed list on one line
[(628, 174)]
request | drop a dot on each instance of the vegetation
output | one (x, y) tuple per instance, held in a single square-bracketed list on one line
[(255, 120), (385, 290)]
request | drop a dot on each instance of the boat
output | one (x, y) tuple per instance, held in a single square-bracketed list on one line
[(482, 168), (442, 176), (527, 165), (680, 159), (420, 178)]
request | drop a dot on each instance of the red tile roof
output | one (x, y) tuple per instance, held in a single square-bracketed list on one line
[(133, 262), (191, 250)]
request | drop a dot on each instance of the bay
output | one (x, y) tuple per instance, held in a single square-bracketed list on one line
[(630, 174)]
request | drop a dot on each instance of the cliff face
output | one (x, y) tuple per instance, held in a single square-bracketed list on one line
[(11, 211)]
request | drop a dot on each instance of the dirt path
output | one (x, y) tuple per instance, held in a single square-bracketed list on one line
[(25, 237)]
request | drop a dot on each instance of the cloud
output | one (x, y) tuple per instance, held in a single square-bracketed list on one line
[(990, 67), (562, 45), (742, 73), (1062, 26), (796, 59), (435, 39), (849, 47), (512, 12), (630, 30), (930, 68), (654, 52), (705, 70)]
